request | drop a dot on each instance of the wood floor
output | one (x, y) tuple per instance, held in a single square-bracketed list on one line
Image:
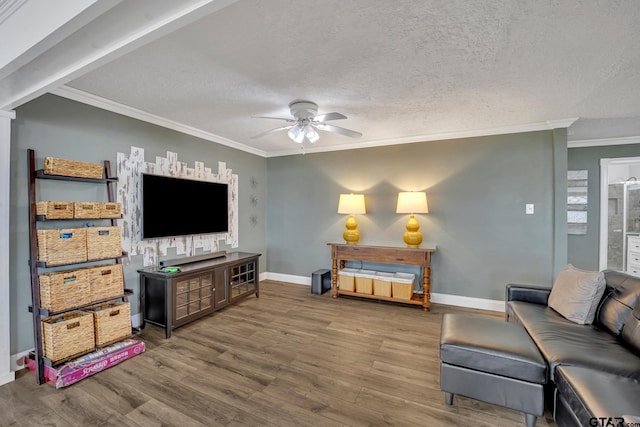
[(288, 358)]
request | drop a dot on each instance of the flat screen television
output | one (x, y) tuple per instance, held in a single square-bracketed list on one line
[(179, 207)]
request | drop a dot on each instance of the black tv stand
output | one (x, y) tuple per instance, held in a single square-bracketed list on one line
[(200, 287), (192, 259)]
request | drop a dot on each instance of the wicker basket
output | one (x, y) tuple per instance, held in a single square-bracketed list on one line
[(69, 337), (346, 279), (54, 166), (382, 284), (402, 285), (112, 322), (65, 246), (106, 281), (55, 210), (110, 210), (103, 242), (86, 210), (64, 290), (364, 281)]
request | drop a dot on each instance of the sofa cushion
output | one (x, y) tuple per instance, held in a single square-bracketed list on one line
[(621, 295), (566, 343), (576, 294), (631, 329), (592, 394)]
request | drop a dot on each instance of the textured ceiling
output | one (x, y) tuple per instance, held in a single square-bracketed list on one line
[(397, 69)]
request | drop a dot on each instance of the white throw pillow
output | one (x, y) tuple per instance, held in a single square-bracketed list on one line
[(576, 294)]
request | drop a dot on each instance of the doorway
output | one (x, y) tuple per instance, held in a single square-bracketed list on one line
[(619, 213)]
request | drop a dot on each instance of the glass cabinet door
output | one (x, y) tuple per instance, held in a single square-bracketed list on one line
[(243, 279), (193, 295)]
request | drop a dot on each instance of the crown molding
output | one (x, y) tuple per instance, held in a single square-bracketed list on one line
[(8, 114), (115, 107), (603, 142), (503, 130)]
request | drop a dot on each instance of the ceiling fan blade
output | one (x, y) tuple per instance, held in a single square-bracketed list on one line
[(328, 116), (337, 129), (274, 118), (260, 135)]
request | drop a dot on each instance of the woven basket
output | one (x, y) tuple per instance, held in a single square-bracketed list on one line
[(110, 210), (65, 246), (86, 210), (402, 285), (106, 281), (382, 284), (54, 166), (103, 242), (346, 279), (112, 322), (364, 281), (55, 210), (64, 290), (69, 337)]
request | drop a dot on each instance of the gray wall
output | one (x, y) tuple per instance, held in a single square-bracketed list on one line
[(58, 127), (583, 249), (476, 188)]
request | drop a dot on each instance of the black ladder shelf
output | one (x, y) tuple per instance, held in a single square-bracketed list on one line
[(35, 265)]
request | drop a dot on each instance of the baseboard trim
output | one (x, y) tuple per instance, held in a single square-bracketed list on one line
[(279, 277), (136, 320), (436, 298), (16, 360), (468, 302)]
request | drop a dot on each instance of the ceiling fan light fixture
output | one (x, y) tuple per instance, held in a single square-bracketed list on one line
[(311, 134), (305, 123), (296, 134)]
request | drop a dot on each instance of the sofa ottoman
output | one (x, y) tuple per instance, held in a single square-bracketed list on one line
[(586, 397), (492, 361)]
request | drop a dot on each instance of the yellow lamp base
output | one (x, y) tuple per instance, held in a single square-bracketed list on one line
[(351, 235), (412, 237)]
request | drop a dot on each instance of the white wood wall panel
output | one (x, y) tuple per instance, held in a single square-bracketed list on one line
[(130, 169)]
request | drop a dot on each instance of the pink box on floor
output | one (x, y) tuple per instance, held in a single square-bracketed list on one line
[(89, 364)]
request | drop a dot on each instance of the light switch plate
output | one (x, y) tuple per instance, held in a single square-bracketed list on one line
[(528, 209)]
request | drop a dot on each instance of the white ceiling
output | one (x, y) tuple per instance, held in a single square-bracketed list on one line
[(399, 70)]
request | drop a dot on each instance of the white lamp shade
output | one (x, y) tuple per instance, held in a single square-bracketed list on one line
[(351, 204), (296, 134), (412, 202)]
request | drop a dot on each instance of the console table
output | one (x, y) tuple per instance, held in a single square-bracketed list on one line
[(201, 287), (420, 257)]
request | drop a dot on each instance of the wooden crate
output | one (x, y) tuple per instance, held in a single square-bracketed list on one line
[(112, 322), (402, 285), (106, 281), (382, 284), (86, 210), (65, 167), (68, 337), (55, 210), (62, 246), (346, 279), (64, 290), (110, 210), (103, 242), (364, 281)]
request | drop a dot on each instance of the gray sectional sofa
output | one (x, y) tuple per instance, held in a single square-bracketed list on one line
[(594, 370)]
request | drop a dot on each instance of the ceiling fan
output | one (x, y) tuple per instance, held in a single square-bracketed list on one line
[(302, 127)]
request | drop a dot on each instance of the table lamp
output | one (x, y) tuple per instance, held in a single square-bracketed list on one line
[(412, 202), (351, 204)]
